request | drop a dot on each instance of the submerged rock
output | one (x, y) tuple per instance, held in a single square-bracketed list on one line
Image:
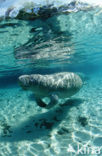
[(83, 121), (62, 85), (63, 131)]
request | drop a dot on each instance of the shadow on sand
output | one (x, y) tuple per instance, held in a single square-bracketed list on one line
[(40, 125)]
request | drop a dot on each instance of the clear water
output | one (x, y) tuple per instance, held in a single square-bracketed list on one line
[(64, 42)]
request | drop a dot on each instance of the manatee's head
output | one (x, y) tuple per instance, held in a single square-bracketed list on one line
[(29, 82), (24, 81)]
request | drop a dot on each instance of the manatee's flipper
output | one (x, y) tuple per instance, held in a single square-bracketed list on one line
[(40, 103), (53, 102)]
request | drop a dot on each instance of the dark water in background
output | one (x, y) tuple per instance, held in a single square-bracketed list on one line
[(64, 42)]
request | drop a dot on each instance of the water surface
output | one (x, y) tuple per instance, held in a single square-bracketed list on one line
[(60, 42)]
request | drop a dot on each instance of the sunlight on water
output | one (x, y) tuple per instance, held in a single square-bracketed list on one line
[(47, 43), (64, 41)]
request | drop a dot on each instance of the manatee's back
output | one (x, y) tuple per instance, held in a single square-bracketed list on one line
[(65, 80), (58, 80), (65, 83)]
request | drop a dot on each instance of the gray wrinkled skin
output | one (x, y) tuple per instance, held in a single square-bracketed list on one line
[(63, 85)]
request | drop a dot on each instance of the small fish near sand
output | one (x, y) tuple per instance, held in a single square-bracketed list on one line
[(57, 85)]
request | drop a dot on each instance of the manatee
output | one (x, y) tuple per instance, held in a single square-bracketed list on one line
[(57, 85)]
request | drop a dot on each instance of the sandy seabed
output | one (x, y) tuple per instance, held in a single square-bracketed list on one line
[(28, 130)]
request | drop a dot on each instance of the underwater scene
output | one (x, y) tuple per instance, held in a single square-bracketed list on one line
[(50, 78)]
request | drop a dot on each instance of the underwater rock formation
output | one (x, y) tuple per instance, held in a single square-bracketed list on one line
[(62, 85)]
